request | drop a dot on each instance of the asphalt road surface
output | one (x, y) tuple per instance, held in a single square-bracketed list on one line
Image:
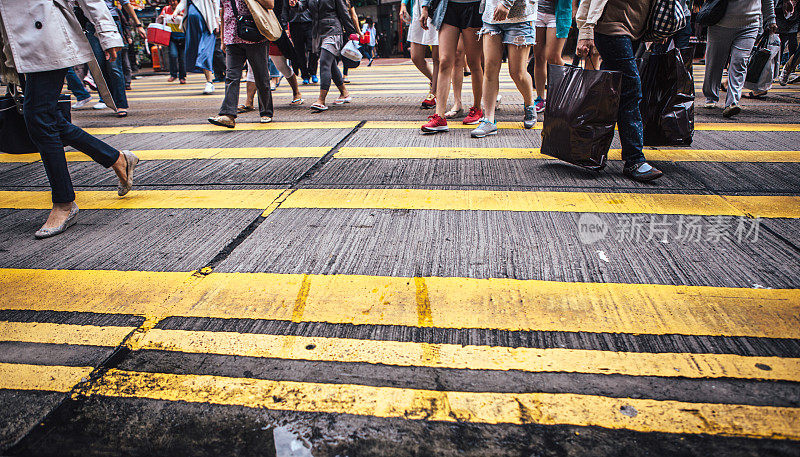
[(337, 284)]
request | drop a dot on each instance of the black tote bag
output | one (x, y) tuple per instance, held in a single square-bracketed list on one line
[(14, 137), (759, 58), (712, 12), (580, 115), (667, 99)]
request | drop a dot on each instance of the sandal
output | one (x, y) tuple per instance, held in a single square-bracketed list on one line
[(453, 113), (343, 100), (755, 96), (318, 107), (297, 101), (122, 113), (245, 109)]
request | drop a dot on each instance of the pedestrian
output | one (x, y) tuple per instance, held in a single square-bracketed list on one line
[(507, 23), (282, 65), (200, 24), (300, 29), (731, 40), (370, 35), (455, 19), (615, 27), (75, 85), (421, 40), (41, 41), (127, 41), (112, 70), (237, 52), (331, 21), (177, 42), (787, 16), (553, 21)]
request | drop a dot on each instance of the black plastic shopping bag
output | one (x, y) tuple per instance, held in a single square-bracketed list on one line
[(580, 115), (759, 58), (667, 98)]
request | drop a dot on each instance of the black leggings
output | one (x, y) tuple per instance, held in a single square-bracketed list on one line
[(328, 70)]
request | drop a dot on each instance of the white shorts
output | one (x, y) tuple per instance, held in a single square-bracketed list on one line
[(545, 20), (416, 34)]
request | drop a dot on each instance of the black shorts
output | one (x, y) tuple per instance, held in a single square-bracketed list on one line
[(463, 15)]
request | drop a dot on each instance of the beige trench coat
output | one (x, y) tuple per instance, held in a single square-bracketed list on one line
[(44, 35)]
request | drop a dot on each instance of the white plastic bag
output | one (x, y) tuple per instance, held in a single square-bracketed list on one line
[(350, 52)]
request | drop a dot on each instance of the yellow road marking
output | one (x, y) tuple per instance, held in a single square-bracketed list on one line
[(181, 128), (721, 127), (139, 199), (676, 155), (507, 304), (483, 407), (191, 154), (473, 357), (53, 378), (351, 152), (39, 332), (592, 202)]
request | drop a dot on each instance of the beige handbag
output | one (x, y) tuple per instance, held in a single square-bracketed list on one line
[(265, 19)]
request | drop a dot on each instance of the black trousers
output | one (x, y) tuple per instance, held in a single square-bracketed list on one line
[(306, 59), (50, 132)]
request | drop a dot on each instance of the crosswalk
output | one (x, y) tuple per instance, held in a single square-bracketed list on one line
[(337, 273)]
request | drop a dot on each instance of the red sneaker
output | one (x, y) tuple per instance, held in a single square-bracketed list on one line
[(429, 102), (435, 124), (474, 116)]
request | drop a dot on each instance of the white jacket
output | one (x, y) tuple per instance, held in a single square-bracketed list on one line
[(43, 35), (209, 9)]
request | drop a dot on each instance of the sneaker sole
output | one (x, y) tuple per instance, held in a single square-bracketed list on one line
[(528, 127), (472, 123), (221, 124), (484, 135), (434, 129)]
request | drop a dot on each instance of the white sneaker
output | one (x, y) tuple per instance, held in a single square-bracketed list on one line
[(209, 89), (100, 105), (82, 103)]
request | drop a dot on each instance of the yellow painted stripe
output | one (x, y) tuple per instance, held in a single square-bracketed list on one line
[(483, 407), (676, 155), (139, 199), (506, 304), (593, 202), (39, 332), (473, 357), (718, 127), (190, 154), (51, 378), (180, 128)]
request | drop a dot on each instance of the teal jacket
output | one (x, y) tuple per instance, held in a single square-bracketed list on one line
[(563, 18)]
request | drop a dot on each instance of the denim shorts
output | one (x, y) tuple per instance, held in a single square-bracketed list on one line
[(516, 33)]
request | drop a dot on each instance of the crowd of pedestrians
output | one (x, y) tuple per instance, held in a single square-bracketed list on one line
[(464, 38)]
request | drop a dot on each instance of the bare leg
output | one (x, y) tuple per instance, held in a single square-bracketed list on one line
[(517, 68), (418, 58), (540, 64), (448, 45), (209, 75), (251, 93), (493, 54), (458, 77), (472, 49), (435, 56)]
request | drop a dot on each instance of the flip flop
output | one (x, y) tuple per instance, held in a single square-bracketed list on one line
[(342, 101), (317, 108), (453, 113), (754, 96), (297, 101), (245, 109), (122, 113)]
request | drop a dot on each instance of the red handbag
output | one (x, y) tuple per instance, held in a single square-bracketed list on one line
[(364, 39)]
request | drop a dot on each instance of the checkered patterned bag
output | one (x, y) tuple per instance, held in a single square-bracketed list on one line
[(666, 18)]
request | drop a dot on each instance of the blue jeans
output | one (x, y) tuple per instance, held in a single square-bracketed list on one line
[(50, 132), (112, 71), (75, 85), (617, 52), (177, 49)]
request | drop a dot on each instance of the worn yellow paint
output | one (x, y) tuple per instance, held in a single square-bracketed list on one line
[(675, 155), (180, 128), (19, 158), (40, 332), (482, 407), (217, 153), (711, 126), (140, 199), (456, 356), (52, 378), (592, 202), (508, 304)]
